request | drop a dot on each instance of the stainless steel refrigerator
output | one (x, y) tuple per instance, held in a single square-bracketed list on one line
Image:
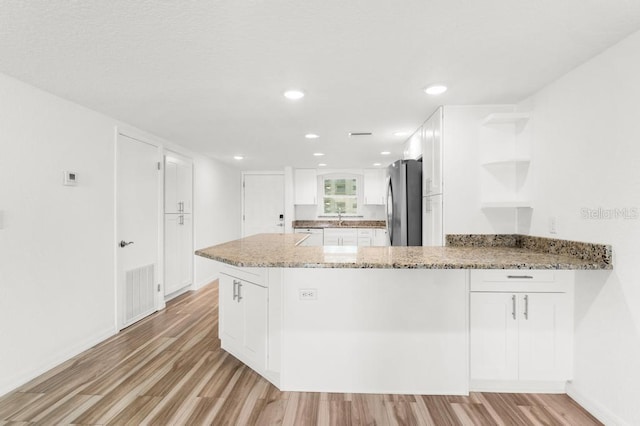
[(404, 203)]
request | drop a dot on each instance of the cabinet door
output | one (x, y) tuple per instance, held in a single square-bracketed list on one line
[(170, 186), (374, 186), (231, 316), (178, 185), (432, 155), (185, 256), (305, 186), (493, 336), (545, 336), (254, 301), (185, 187), (171, 253)]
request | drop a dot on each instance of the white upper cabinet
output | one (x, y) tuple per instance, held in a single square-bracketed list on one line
[(178, 185), (374, 186), (305, 186), (432, 158)]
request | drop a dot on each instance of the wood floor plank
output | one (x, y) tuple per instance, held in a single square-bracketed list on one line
[(169, 369)]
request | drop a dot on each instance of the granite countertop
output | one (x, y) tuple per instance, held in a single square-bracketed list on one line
[(281, 250), (345, 223)]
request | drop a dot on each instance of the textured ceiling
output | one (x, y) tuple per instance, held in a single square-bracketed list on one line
[(210, 74)]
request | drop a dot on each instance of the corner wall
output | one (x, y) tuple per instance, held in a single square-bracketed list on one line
[(586, 151), (57, 292)]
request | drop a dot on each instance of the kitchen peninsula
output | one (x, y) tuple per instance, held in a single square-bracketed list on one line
[(410, 320)]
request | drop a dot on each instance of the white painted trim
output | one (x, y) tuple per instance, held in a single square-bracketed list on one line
[(594, 408), (56, 360), (179, 292), (517, 386)]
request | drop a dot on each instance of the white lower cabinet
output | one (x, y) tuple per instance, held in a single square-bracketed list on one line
[(243, 320), (520, 331), (361, 237), (340, 237)]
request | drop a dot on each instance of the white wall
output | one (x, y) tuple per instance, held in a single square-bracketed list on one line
[(217, 211), (586, 154), (57, 294)]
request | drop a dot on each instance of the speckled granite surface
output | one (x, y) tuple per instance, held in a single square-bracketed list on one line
[(600, 254), (280, 250), (346, 223)]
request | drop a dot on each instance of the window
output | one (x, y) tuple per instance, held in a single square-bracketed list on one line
[(340, 194)]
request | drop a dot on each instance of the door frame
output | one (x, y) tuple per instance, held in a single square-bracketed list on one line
[(149, 140), (262, 172)]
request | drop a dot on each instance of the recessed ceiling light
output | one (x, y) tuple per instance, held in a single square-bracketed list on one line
[(318, 154), (293, 94), (238, 157), (311, 136), (322, 165), (435, 89), (377, 164), (385, 153), (400, 133)]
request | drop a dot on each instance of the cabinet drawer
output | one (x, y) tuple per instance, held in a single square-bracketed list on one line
[(257, 276), (365, 232), (521, 280)]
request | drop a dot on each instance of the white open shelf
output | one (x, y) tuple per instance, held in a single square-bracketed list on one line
[(507, 161), (506, 204), (505, 118)]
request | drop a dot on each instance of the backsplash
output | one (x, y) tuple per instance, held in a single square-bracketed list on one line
[(369, 212)]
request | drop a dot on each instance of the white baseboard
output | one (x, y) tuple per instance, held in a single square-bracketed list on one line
[(53, 361), (594, 408), (517, 386)]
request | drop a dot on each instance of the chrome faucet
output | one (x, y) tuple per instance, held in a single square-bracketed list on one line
[(339, 217)]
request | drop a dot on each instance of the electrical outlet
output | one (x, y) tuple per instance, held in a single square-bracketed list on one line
[(308, 293), (553, 225)]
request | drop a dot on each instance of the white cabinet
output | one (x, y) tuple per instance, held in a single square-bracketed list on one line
[(178, 226), (315, 238), (380, 238), (432, 160), (374, 186), (178, 185), (305, 186), (178, 252), (243, 320), (340, 237), (361, 237), (365, 237), (520, 330)]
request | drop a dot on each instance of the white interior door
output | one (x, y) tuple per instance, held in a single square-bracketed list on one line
[(263, 204), (137, 204)]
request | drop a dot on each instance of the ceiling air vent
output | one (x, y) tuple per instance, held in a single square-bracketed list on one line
[(360, 133)]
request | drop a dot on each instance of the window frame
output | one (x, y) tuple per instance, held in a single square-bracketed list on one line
[(359, 193)]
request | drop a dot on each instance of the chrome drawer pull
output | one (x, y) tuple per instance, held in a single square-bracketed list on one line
[(526, 307), (513, 306), (518, 277)]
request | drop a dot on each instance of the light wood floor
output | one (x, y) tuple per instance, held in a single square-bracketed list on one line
[(169, 369)]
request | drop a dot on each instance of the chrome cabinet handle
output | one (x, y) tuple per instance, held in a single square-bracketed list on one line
[(123, 243), (519, 277), (239, 291), (526, 306), (513, 306), (236, 283)]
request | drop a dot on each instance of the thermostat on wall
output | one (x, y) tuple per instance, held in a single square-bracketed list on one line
[(70, 178)]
